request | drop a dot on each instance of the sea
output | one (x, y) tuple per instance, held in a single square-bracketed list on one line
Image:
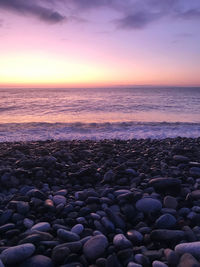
[(29, 114)]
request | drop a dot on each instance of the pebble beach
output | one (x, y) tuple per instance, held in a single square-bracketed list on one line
[(100, 203)]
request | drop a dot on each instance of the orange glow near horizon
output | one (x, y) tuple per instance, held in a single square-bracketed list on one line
[(45, 70)]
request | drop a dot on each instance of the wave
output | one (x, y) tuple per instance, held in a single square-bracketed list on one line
[(10, 132)]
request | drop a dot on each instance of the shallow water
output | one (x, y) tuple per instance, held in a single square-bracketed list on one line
[(98, 113)]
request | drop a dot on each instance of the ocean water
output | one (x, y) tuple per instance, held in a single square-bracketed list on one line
[(99, 113)]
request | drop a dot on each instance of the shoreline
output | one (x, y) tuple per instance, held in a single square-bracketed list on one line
[(100, 203)]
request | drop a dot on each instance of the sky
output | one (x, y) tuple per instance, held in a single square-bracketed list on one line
[(99, 42)]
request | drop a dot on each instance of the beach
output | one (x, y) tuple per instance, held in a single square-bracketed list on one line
[(100, 203)]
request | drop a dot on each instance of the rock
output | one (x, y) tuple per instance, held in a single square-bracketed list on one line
[(148, 205), (195, 171), (115, 218), (112, 261), (135, 237), (59, 199), (38, 261), (23, 207), (6, 227), (95, 247), (42, 227), (159, 264), (121, 242), (28, 223), (16, 254), (36, 193), (59, 254), (108, 176), (133, 264), (5, 216), (192, 248), (171, 257), (67, 235), (187, 260), (171, 185), (77, 229), (62, 192), (167, 235), (170, 202), (180, 159), (166, 221), (49, 205), (109, 226)]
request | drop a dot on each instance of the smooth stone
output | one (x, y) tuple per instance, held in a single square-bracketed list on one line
[(48, 204), (115, 218), (171, 257), (180, 158), (166, 184), (17, 254), (133, 264), (67, 235), (187, 260), (167, 235), (33, 239), (195, 171), (5, 216), (38, 261), (1, 263), (159, 264), (59, 254), (166, 221), (192, 248), (148, 205), (28, 223), (135, 237), (108, 176), (121, 242), (6, 227), (36, 193), (62, 192), (59, 199), (77, 229), (23, 207), (170, 202), (95, 247), (109, 226), (42, 227)]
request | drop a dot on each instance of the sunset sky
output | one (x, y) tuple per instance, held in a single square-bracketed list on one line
[(99, 42)]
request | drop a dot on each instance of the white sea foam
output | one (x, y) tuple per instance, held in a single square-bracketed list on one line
[(96, 131), (119, 113)]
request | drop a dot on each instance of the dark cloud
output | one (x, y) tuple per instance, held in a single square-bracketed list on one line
[(133, 14), (190, 14), (137, 20), (28, 7)]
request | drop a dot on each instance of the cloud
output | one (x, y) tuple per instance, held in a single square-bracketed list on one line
[(137, 20), (190, 14), (28, 7), (133, 14)]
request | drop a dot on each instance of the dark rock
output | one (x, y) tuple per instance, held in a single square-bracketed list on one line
[(187, 260), (169, 185), (121, 242), (192, 248), (16, 254), (95, 247), (166, 221), (148, 205), (170, 202), (167, 235), (67, 235), (38, 261)]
